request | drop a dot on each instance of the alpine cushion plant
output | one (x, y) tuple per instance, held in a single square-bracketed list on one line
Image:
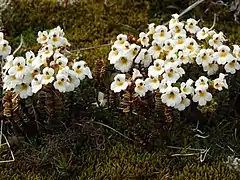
[(163, 59), (27, 75)]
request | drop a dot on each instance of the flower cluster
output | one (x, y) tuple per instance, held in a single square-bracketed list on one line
[(5, 49), (27, 75), (163, 56)]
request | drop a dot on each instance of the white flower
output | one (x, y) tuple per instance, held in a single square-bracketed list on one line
[(30, 56), (202, 83), (169, 45), (204, 57), (151, 29), (72, 80), (177, 29), (232, 66), (136, 74), (5, 49), (36, 83), (180, 41), (161, 34), (9, 62), (1, 36), (24, 90), (119, 83), (191, 46), (140, 87), (155, 49), (47, 75), (186, 88), (183, 57), (101, 100), (191, 26), (202, 96), (171, 97), (203, 33), (211, 69), (55, 38), (10, 81), (220, 82), (164, 86), (114, 55), (185, 102), (172, 61), (42, 37), (217, 40), (121, 38), (152, 83), (171, 75), (123, 63), (46, 51), (144, 39), (173, 21), (18, 69), (82, 70), (157, 68), (38, 61), (236, 51), (62, 62), (223, 55), (133, 51), (61, 82), (145, 58)]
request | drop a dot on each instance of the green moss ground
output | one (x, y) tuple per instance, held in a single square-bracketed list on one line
[(79, 155)]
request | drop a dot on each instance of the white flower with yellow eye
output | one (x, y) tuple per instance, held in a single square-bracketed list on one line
[(30, 56), (157, 68), (204, 57), (164, 86), (136, 74), (42, 37), (171, 97), (161, 34), (180, 41), (119, 83), (173, 21), (203, 33), (133, 51), (178, 29), (144, 57), (61, 83), (223, 55), (202, 97), (55, 39), (125, 47), (236, 52), (211, 69), (172, 61), (82, 70), (114, 54), (9, 62), (24, 90), (46, 51), (47, 75), (28, 77), (171, 75), (5, 49), (151, 29), (73, 81), (202, 83), (187, 87), (191, 26), (10, 81), (220, 82), (232, 66), (36, 83), (155, 49), (217, 40), (140, 87), (101, 100), (184, 57), (191, 46), (18, 69), (152, 83), (121, 38), (144, 39), (123, 63), (169, 45), (62, 62), (185, 102)]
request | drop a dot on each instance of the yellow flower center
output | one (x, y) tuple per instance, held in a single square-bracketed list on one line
[(24, 86), (19, 68), (124, 61), (232, 64), (119, 83), (180, 41), (44, 37), (171, 95), (79, 71), (223, 54), (201, 93)]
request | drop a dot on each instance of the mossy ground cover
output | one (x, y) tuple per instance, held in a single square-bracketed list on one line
[(87, 150)]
